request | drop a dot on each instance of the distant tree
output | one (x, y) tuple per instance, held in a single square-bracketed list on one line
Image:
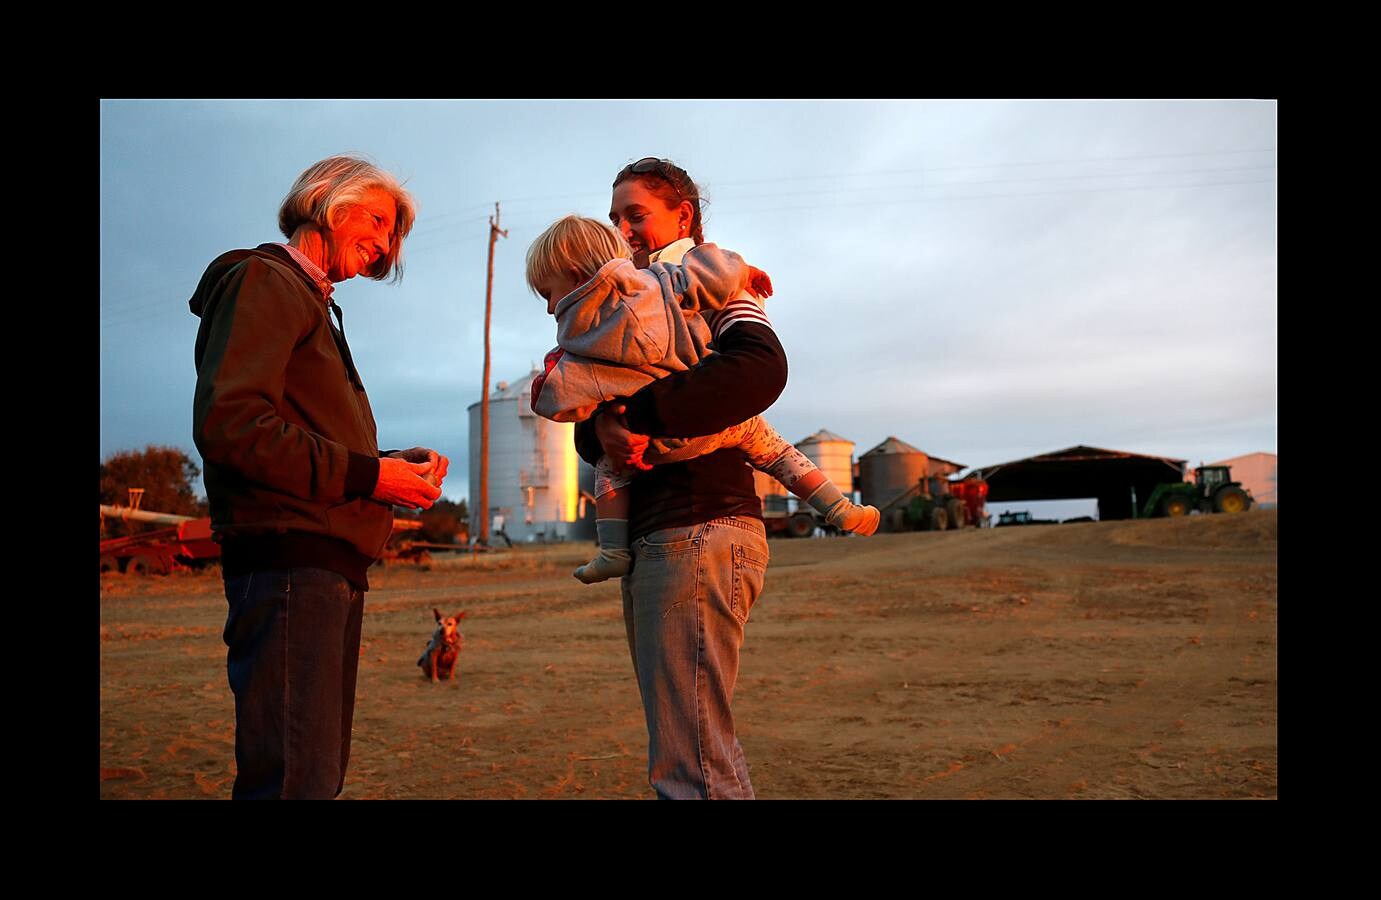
[(441, 523), (165, 473)]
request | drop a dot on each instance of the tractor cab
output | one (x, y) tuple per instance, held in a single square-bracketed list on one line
[(1209, 477)]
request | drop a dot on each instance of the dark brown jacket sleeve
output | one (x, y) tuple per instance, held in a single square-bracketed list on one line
[(744, 377)]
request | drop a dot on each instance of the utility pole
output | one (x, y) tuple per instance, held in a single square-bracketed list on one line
[(494, 233)]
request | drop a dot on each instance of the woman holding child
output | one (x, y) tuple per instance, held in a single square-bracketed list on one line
[(698, 551), (634, 360), (699, 547)]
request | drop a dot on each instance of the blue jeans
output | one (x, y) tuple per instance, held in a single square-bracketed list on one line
[(685, 602), (294, 639)]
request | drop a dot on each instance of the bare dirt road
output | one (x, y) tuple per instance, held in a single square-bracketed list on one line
[(1100, 660)]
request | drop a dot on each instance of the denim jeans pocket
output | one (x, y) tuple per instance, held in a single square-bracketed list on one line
[(237, 588), (670, 541), (253, 600), (321, 581), (750, 570), (236, 596)]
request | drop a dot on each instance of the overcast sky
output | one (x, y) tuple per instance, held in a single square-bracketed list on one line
[(986, 281)]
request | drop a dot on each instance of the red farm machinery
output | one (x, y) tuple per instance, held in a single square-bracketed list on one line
[(186, 543)]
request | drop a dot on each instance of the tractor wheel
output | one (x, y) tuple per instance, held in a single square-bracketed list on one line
[(939, 519), (1232, 500), (800, 525), (1174, 506), (110, 564), (146, 564), (898, 520), (955, 508)]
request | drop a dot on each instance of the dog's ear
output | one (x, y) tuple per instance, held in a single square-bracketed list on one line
[(436, 612), (460, 615)]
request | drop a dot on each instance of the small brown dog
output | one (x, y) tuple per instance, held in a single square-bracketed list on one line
[(439, 659)]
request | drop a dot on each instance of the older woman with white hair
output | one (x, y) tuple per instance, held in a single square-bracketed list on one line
[(301, 497)]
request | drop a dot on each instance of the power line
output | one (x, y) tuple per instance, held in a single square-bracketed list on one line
[(1149, 187), (913, 199), (1053, 162), (943, 169), (115, 311), (815, 206), (928, 169), (944, 184)]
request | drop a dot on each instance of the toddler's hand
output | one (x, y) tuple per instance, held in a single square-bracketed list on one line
[(759, 285), (623, 447)]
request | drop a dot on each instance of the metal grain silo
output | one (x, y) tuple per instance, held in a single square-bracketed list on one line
[(833, 455), (533, 467), (889, 469)]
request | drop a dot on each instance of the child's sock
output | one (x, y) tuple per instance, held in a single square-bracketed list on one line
[(843, 513), (613, 559)]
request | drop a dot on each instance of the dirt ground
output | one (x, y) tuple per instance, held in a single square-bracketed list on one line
[(1099, 660)]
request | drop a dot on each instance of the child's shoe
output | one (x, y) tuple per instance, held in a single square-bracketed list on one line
[(611, 563), (858, 519), (614, 559), (843, 513)]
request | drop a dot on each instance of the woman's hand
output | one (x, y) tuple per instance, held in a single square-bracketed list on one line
[(403, 483), (623, 447), (425, 454)]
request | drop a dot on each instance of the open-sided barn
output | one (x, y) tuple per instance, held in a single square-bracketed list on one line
[(1119, 480)]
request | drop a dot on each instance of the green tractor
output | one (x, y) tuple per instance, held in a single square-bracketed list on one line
[(935, 508), (1213, 491)]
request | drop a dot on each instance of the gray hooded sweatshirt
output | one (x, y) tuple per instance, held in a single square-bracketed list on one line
[(627, 327)]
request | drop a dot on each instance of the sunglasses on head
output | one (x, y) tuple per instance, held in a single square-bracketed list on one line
[(647, 164), (662, 168)]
